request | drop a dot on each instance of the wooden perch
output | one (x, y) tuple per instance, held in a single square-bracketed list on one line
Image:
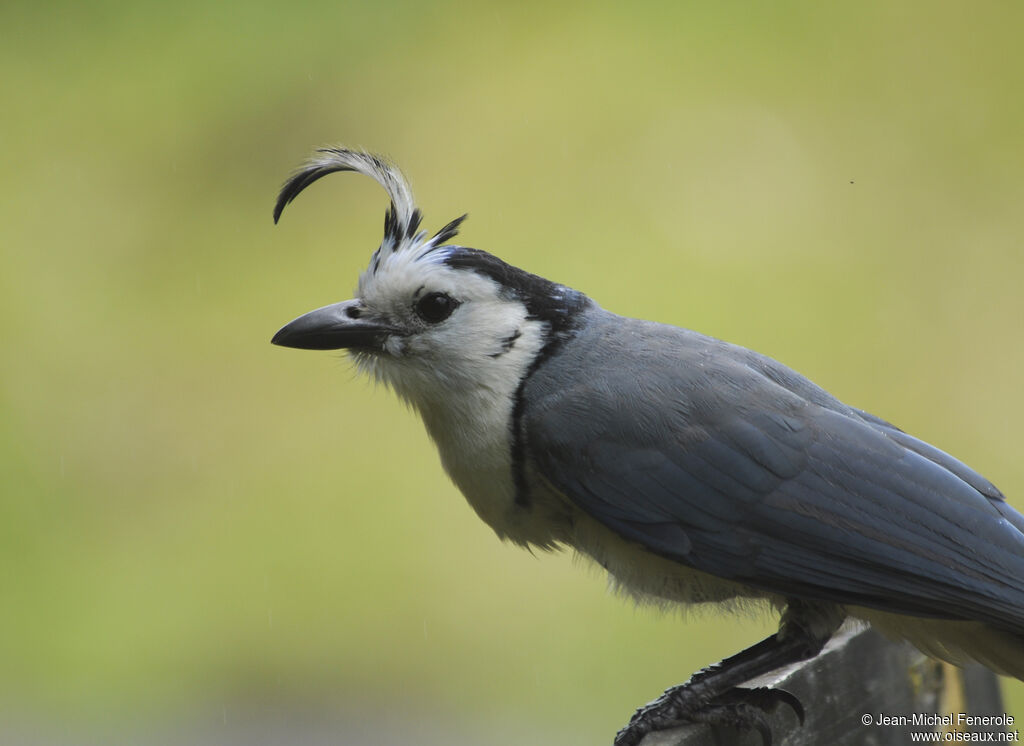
[(861, 675)]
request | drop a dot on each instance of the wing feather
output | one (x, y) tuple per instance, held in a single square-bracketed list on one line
[(749, 477)]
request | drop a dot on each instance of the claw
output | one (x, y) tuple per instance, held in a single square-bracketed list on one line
[(764, 699), (790, 699), (737, 708)]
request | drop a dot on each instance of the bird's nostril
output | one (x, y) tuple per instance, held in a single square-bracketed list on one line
[(353, 312)]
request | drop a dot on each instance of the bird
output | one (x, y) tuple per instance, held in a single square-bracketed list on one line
[(692, 470)]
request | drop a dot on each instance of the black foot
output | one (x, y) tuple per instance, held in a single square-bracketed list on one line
[(745, 709)]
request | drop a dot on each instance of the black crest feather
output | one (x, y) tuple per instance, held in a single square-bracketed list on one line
[(402, 219), (403, 213), (449, 232)]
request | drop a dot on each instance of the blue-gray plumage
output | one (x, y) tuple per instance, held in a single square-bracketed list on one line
[(691, 469), (738, 467)]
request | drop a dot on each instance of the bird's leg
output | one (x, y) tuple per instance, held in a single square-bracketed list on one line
[(712, 695)]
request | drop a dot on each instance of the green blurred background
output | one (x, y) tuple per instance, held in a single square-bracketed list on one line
[(207, 539)]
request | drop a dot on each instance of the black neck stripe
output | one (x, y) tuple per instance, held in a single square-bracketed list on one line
[(556, 305)]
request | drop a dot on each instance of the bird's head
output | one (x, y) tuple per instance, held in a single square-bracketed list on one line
[(430, 318)]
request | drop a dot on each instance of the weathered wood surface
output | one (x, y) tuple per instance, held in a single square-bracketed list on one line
[(859, 675)]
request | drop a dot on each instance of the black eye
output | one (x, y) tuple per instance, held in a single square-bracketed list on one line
[(435, 307)]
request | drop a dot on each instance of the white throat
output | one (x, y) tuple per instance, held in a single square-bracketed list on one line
[(466, 400)]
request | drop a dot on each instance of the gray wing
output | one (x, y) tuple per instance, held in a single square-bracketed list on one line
[(728, 462)]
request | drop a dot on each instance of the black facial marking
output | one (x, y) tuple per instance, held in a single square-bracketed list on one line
[(507, 343), (546, 301)]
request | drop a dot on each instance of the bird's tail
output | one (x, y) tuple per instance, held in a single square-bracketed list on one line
[(955, 641)]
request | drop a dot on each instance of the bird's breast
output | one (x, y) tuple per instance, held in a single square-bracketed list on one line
[(474, 439)]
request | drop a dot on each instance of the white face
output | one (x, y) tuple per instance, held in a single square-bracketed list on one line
[(434, 322), (448, 338), (459, 331)]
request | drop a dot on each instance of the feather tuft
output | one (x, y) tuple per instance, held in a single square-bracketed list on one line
[(401, 220)]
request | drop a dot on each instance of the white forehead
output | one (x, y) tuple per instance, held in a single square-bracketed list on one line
[(402, 274)]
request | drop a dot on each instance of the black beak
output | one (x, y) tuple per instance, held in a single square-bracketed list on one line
[(343, 325)]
